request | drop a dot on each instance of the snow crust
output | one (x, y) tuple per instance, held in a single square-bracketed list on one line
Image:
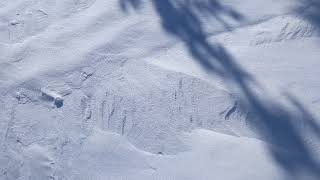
[(159, 89)]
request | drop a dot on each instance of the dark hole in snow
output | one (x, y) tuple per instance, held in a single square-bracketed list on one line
[(58, 102)]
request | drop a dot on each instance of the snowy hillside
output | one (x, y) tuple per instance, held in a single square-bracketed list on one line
[(159, 89)]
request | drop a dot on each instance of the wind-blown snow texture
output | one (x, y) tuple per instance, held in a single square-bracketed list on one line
[(159, 89)]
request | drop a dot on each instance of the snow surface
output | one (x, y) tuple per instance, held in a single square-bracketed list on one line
[(159, 89)]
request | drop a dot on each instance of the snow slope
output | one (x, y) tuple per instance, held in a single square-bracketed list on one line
[(161, 89)]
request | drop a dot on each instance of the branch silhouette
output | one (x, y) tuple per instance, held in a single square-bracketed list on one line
[(274, 123)]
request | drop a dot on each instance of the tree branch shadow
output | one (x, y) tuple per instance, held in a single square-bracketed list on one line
[(276, 124), (310, 9)]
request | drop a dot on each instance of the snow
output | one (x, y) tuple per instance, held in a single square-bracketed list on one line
[(110, 155), (160, 89)]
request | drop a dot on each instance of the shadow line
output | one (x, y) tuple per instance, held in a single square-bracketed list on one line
[(276, 124)]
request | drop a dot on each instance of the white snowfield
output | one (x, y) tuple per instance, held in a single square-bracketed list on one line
[(159, 89)]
